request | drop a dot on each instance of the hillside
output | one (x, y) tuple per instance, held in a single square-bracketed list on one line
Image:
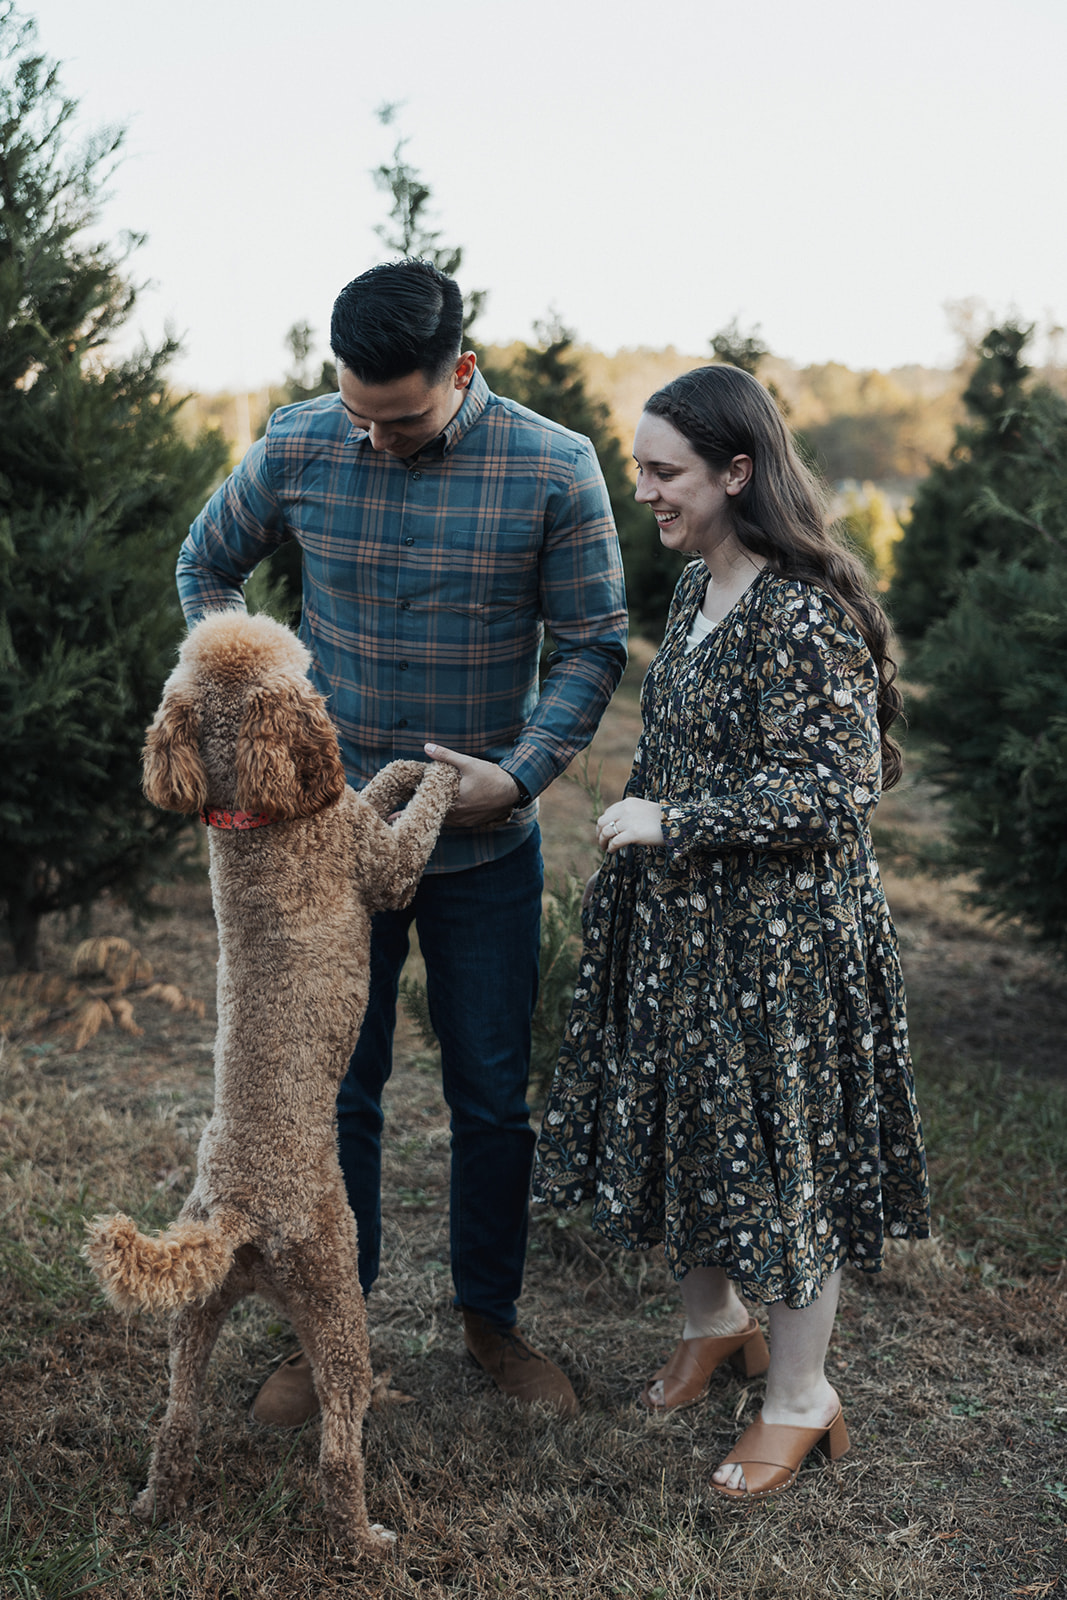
[(862, 426)]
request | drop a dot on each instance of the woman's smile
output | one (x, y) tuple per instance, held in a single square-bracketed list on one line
[(687, 499)]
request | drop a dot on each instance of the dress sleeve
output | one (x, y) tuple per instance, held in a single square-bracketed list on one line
[(816, 775), (635, 783), (693, 578)]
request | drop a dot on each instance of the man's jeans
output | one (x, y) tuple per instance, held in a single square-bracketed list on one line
[(479, 934)]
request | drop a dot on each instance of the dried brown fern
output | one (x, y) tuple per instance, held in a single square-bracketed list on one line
[(104, 973), (87, 1021), (29, 999), (114, 959)]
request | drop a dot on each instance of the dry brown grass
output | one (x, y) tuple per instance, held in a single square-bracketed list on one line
[(952, 1364)]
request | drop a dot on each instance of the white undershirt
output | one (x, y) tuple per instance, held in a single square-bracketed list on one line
[(698, 632)]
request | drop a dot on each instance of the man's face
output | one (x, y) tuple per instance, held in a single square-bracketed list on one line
[(401, 416)]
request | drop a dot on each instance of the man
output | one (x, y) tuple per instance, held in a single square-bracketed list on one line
[(441, 528)]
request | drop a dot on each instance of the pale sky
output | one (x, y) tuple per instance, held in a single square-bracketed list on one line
[(834, 171)]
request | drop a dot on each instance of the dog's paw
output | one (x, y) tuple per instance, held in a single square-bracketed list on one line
[(144, 1507), (441, 776), (152, 1506), (352, 1532), (383, 1394)]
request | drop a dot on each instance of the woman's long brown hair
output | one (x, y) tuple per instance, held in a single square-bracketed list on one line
[(780, 514)]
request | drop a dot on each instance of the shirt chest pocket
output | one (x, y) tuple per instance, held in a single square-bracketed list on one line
[(487, 574)]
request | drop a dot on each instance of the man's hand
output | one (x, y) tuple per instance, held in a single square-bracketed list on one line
[(486, 792)]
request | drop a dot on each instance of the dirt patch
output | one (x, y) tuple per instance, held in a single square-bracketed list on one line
[(976, 993)]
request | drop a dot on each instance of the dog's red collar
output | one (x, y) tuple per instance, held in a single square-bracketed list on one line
[(235, 819)]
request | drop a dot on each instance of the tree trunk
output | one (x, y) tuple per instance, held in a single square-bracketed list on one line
[(24, 924)]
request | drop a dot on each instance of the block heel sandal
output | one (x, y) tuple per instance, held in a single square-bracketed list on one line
[(772, 1454), (686, 1375)]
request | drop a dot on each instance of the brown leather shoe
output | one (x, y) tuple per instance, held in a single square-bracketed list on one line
[(288, 1398), (515, 1366)]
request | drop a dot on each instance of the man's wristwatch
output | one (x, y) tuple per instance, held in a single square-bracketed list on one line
[(525, 798)]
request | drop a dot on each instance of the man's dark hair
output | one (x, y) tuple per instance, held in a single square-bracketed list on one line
[(398, 318)]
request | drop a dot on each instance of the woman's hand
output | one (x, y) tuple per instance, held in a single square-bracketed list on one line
[(629, 821)]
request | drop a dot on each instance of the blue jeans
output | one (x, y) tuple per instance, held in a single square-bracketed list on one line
[(479, 933)]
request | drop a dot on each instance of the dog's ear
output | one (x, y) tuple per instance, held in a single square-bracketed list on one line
[(174, 776), (288, 758)]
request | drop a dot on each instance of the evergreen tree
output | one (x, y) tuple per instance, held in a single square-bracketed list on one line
[(96, 488), (955, 520), (408, 231), (734, 348), (548, 378), (277, 585), (301, 382), (995, 670)]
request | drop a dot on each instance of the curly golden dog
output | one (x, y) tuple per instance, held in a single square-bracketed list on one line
[(299, 861)]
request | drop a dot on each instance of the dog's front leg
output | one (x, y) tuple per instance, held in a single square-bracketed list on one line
[(194, 1330), (393, 858), (395, 784)]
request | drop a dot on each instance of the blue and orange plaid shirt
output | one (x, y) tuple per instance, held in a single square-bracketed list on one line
[(427, 585)]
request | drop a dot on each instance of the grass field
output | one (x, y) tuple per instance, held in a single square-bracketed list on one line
[(952, 1364)]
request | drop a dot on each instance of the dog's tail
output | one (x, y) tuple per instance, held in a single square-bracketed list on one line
[(182, 1265)]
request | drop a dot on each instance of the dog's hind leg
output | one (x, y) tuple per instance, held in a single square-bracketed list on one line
[(328, 1313), (193, 1332)]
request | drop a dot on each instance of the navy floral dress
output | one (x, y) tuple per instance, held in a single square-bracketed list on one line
[(735, 1079)]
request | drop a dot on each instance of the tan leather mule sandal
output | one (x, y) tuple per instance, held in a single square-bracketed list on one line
[(772, 1454), (686, 1375)]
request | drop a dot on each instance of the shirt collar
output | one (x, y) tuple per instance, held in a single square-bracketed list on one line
[(475, 401)]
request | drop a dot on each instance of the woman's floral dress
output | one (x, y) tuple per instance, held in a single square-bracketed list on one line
[(735, 1079)]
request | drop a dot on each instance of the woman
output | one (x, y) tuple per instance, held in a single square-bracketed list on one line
[(735, 1079)]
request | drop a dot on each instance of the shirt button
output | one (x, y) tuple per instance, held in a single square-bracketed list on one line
[(403, 722), (409, 539), (416, 474), (405, 605), (402, 666)]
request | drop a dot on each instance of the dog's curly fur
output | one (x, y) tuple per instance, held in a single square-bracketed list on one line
[(241, 728)]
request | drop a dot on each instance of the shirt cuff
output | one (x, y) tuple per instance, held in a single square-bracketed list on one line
[(525, 798)]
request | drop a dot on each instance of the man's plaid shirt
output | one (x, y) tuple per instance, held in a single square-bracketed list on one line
[(427, 584)]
